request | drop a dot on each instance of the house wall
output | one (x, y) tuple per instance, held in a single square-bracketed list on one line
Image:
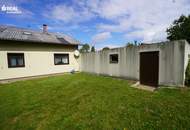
[(171, 62), (39, 59)]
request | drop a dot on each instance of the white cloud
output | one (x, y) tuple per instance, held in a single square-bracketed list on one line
[(64, 13), (153, 34), (107, 8), (142, 19), (100, 37), (145, 19), (69, 14)]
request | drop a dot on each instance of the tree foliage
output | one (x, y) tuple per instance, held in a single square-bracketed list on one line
[(129, 44), (135, 43), (85, 48), (180, 29), (105, 48), (93, 49)]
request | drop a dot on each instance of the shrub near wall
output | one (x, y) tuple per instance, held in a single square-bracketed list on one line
[(187, 75)]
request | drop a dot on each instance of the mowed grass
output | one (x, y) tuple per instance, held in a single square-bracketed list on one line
[(88, 102)]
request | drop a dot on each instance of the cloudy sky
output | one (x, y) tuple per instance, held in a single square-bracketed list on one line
[(99, 22)]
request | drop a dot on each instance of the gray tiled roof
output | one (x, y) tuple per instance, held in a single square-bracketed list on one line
[(20, 34)]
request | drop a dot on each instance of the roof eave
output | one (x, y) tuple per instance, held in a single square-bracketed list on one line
[(33, 41)]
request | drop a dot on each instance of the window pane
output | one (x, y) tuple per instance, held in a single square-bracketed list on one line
[(64, 60), (20, 61), (57, 60), (13, 61), (114, 58)]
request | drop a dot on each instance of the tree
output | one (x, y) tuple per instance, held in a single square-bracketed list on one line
[(136, 43), (180, 29), (85, 48), (105, 48), (129, 44), (92, 49)]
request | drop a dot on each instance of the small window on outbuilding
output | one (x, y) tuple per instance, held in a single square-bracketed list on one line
[(61, 59), (15, 60), (114, 58)]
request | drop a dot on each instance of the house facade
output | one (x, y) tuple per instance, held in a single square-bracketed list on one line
[(25, 53)]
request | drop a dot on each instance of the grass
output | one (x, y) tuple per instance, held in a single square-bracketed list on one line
[(88, 102)]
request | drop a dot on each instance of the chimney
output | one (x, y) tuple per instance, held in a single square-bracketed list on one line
[(45, 28)]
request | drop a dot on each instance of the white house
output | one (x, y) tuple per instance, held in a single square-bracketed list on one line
[(26, 53)]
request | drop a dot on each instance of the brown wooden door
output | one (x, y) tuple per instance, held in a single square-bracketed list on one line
[(149, 68)]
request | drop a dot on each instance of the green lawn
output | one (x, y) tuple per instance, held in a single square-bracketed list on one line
[(88, 102)]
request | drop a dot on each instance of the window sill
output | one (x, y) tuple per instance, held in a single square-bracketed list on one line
[(16, 66), (61, 64)]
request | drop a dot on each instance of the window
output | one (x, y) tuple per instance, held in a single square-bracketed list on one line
[(15, 60), (114, 58), (61, 59)]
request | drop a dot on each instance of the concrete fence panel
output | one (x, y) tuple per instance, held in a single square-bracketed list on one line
[(172, 61)]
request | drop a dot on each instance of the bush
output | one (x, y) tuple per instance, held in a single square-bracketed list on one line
[(187, 75)]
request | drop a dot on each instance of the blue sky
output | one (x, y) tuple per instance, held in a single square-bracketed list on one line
[(101, 23)]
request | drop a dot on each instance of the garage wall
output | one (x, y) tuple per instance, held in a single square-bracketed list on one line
[(39, 59), (171, 62)]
